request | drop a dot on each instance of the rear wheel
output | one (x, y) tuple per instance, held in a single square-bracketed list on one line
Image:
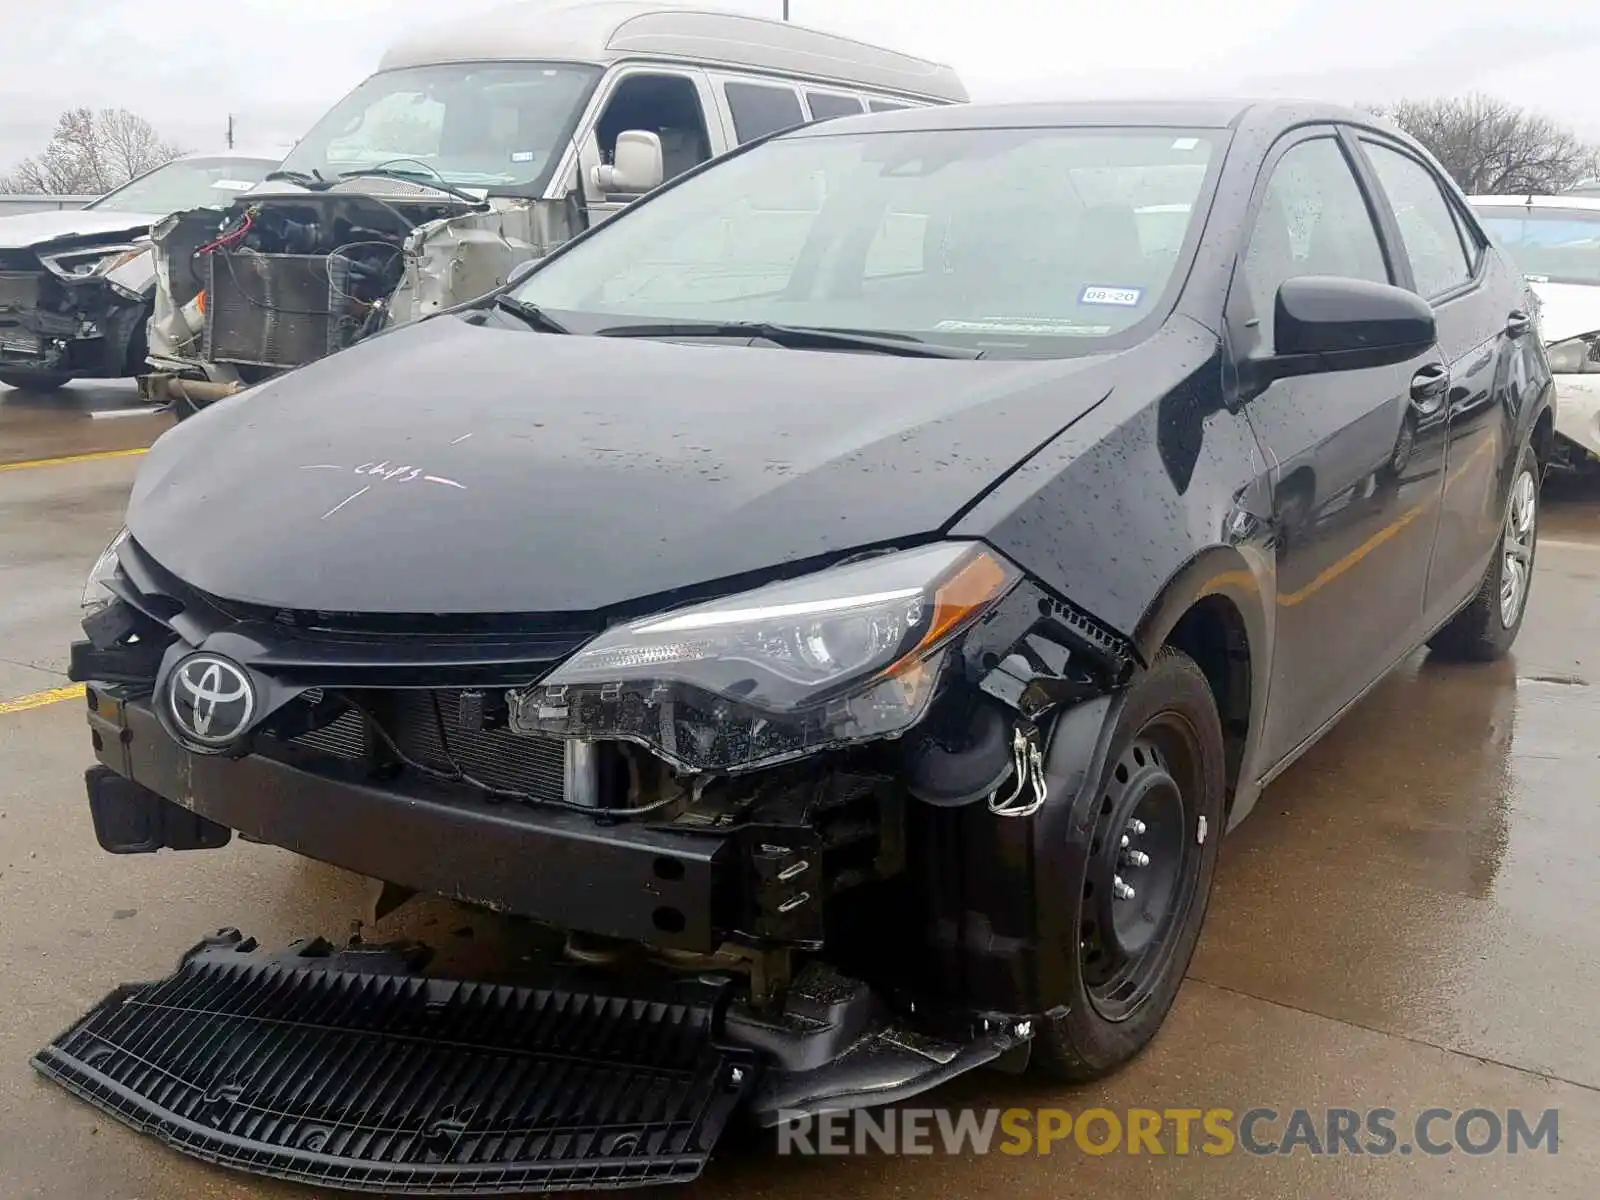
[(1141, 872), (1485, 629), (27, 380)]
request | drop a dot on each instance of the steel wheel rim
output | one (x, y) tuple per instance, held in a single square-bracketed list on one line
[(1517, 543), (1143, 869)]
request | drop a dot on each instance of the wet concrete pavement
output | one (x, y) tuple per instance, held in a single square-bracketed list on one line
[(1407, 920)]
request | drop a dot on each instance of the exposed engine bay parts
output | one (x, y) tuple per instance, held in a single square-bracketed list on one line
[(281, 281)]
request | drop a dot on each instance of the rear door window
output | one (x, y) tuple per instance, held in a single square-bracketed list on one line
[(759, 109)]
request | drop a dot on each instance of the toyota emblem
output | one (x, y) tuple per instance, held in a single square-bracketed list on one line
[(211, 700)]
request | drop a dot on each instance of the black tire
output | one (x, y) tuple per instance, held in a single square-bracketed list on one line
[(26, 380), (1484, 630), (1169, 710)]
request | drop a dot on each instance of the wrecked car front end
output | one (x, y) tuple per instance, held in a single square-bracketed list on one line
[(283, 279), (72, 304), (780, 879)]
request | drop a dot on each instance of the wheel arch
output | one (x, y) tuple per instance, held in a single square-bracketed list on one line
[(1543, 436), (1214, 610)]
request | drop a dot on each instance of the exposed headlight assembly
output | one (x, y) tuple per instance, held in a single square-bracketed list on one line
[(849, 654), (96, 595), (1576, 356), (89, 263)]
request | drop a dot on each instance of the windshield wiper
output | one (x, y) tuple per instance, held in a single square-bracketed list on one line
[(434, 181), (796, 337), (314, 180), (530, 315)]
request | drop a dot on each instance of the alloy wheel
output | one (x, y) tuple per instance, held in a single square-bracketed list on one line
[(1521, 531)]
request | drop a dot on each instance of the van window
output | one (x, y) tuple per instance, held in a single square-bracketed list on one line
[(827, 105), (887, 106), (472, 124), (666, 105), (760, 109)]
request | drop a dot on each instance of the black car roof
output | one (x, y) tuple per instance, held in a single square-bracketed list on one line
[(1191, 114)]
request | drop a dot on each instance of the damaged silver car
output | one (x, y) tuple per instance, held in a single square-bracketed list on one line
[(76, 286), (477, 147)]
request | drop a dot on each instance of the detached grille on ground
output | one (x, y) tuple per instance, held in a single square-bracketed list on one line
[(515, 762), (366, 1078)]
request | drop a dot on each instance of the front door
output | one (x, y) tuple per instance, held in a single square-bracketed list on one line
[(1357, 462)]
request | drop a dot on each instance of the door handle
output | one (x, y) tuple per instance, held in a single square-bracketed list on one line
[(1518, 323), (1429, 385)]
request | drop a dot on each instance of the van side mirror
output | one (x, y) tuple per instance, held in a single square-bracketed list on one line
[(636, 166), (1330, 323)]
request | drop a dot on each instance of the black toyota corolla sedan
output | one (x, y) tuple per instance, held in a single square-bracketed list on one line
[(842, 600)]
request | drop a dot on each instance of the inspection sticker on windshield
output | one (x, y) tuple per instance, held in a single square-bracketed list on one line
[(1185, 143), (1040, 325), (522, 156), (1121, 297)]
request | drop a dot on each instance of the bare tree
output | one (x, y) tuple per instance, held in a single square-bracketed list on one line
[(1492, 147), (90, 153)]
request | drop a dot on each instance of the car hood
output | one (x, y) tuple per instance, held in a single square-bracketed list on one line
[(30, 230), (450, 468), (1567, 309)]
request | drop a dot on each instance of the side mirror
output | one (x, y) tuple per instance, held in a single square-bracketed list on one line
[(1329, 323), (637, 165), (521, 271)]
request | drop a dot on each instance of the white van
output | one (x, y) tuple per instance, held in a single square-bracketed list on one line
[(477, 146)]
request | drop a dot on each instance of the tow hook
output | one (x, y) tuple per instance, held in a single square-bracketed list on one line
[(1029, 790)]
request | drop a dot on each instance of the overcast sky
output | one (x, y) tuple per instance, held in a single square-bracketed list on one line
[(277, 64)]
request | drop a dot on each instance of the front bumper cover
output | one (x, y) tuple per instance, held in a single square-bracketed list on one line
[(1578, 410)]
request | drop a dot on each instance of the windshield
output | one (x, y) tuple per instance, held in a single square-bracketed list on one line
[(187, 183), (472, 124), (1551, 245), (1019, 242)]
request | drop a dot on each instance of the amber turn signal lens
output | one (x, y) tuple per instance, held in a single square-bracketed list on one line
[(962, 598)]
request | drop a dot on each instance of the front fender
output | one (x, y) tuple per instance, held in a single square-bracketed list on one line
[(1241, 577)]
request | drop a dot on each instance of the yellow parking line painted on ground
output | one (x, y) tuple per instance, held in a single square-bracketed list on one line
[(72, 458), (40, 699)]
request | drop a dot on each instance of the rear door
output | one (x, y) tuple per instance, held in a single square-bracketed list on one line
[(1446, 261), (1354, 471)]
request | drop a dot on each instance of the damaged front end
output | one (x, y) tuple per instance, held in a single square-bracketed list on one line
[(285, 279), (775, 840), (74, 307)]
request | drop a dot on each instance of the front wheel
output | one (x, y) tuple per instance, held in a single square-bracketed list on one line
[(1142, 855), (1485, 629)]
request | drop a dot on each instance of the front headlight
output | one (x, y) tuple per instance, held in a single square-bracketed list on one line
[(96, 595), (89, 263), (846, 655), (1575, 356)]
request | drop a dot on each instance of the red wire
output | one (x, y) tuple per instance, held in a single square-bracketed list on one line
[(232, 237)]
